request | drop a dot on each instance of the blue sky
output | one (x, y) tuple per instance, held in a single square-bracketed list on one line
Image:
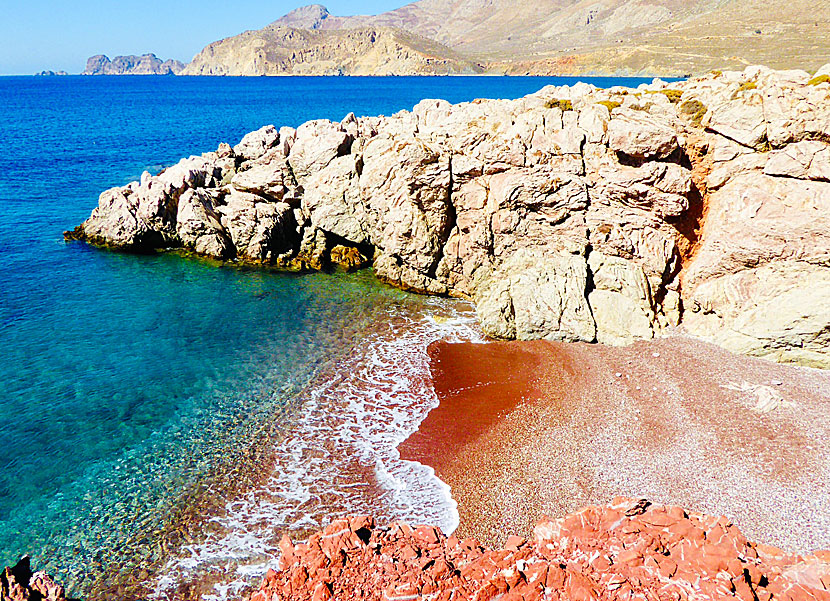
[(38, 35)]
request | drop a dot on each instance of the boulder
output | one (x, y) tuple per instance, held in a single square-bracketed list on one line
[(269, 176), (316, 144), (255, 144), (621, 301), (199, 227), (405, 184), (333, 200), (641, 135), (535, 294), (261, 231)]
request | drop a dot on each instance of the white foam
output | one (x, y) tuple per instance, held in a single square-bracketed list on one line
[(340, 456)]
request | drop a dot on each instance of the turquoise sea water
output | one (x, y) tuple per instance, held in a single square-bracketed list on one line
[(129, 382)]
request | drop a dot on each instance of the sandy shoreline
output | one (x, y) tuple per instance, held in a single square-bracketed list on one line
[(526, 429)]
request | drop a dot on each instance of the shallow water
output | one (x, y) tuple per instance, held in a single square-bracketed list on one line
[(141, 396)]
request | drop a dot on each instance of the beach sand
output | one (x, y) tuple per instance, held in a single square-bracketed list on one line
[(526, 429)]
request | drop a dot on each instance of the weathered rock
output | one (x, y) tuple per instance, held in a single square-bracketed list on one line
[(317, 144), (347, 257), (19, 583), (334, 203), (199, 226), (621, 300), (624, 550), (269, 176), (406, 186), (761, 271), (537, 295), (639, 134), (802, 160), (573, 213), (261, 231), (256, 143)]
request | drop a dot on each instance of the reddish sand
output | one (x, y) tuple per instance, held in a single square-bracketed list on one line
[(527, 429)]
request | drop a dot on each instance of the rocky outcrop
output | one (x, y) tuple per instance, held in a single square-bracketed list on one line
[(571, 214), (146, 64), (625, 550), (282, 50), (19, 583)]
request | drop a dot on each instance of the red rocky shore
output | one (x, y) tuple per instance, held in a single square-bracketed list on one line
[(19, 583), (625, 550)]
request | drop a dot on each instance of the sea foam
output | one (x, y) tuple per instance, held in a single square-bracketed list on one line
[(339, 456)]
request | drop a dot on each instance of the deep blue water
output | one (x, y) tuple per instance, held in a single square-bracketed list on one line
[(126, 380)]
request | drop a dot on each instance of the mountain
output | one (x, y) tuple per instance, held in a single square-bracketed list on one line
[(281, 50), (146, 64), (667, 37)]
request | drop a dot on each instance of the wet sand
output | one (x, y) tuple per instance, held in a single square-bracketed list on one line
[(527, 429)]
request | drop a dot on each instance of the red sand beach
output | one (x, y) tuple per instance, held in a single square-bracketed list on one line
[(526, 429)]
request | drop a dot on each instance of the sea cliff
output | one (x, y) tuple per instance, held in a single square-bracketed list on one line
[(574, 214), (145, 64)]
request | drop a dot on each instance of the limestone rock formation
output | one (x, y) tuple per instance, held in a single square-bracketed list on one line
[(571, 214), (281, 50), (146, 64), (625, 550)]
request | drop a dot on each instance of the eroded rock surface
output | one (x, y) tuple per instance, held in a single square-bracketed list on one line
[(572, 214), (625, 550), (19, 583)]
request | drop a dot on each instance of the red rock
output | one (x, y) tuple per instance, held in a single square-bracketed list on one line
[(427, 534), (322, 592), (658, 553)]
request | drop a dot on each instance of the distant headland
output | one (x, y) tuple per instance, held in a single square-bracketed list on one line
[(145, 64), (617, 38)]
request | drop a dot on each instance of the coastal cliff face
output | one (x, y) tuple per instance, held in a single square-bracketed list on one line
[(572, 214), (278, 50), (624, 550), (146, 64), (548, 37)]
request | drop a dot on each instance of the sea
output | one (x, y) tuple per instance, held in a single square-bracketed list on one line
[(164, 421)]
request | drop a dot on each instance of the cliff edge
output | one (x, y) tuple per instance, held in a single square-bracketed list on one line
[(146, 64)]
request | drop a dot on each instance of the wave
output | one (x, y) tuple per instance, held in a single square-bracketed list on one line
[(338, 456)]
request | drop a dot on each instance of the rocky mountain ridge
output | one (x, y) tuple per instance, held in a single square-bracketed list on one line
[(279, 50), (145, 64), (551, 37), (575, 213)]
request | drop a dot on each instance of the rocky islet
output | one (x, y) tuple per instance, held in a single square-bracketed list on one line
[(575, 213)]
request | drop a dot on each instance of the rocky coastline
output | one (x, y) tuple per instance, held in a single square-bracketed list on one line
[(627, 549), (573, 214), (145, 64)]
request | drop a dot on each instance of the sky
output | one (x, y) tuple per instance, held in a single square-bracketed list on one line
[(37, 35)]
